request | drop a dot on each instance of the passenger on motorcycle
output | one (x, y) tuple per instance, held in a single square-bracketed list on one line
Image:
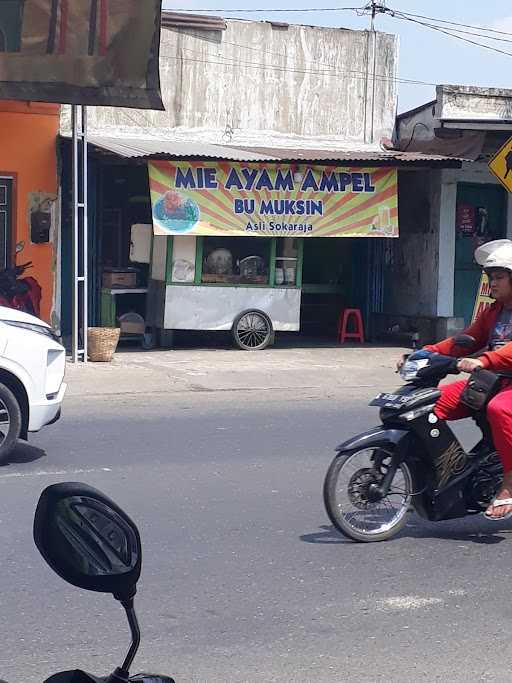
[(492, 331)]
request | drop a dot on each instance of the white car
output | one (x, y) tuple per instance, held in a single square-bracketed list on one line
[(32, 367)]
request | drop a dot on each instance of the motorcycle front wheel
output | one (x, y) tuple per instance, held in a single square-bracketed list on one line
[(348, 496)]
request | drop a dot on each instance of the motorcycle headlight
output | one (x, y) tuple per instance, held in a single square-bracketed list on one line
[(33, 327), (409, 369)]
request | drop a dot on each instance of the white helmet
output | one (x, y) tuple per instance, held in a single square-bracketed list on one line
[(495, 254)]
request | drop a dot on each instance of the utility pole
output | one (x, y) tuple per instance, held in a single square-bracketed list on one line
[(374, 12), (373, 33), (374, 8), (80, 280)]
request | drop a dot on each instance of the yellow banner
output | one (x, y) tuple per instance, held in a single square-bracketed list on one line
[(272, 200), (483, 297)]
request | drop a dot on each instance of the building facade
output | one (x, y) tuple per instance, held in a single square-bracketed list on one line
[(261, 83), (459, 209), (29, 191), (262, 92)]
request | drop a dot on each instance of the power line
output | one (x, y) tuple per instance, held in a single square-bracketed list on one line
[(381, 9), (267, 9), (231, 61), (455, 23), (358, 75), (456, 31), (365, 9), (402, 17)]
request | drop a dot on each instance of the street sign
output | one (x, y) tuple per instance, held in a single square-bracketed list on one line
[(501, 165)]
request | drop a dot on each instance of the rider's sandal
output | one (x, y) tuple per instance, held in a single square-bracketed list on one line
[(497, 503)]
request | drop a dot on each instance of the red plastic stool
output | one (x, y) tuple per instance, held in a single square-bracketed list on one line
[(348, 314)]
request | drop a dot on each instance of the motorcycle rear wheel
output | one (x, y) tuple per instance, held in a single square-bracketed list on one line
[(345, 495)]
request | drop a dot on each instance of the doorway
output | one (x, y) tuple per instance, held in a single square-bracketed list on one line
[(6, 208), (334, 276), (480, 218)]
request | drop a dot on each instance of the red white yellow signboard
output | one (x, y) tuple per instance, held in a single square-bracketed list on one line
[(272, 200), (483, 298)]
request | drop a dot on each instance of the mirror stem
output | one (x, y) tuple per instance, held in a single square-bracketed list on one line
[(135, 631)]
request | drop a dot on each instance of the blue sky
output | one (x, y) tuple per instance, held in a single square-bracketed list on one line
[(425, 55)]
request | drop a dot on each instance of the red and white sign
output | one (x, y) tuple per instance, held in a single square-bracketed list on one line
[(466, 222)]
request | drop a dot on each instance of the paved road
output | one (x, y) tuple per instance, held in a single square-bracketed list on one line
[(244, 579)]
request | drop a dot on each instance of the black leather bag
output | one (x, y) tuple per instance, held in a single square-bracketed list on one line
[(481, 387)]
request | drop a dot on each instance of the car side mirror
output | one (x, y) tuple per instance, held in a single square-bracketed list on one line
[(19, 248), (88, 540), (464, 340)]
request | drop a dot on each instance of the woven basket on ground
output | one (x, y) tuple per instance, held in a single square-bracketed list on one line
[(102, 343)]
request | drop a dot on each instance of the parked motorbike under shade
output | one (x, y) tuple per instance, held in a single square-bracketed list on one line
[(16, 291), (412, 460)]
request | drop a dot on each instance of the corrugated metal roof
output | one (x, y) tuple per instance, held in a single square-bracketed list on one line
[(136, 148), (194, 21), (144, 148), (348, 155)]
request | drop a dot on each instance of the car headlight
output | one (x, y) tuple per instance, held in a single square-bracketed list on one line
[(39, 329)]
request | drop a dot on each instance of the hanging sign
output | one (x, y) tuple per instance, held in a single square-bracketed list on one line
[(272, 200), (97, 52), (483, 297)]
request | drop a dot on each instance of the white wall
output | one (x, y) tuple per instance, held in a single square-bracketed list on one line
[(446, 208), (468, 103), (255, 77)]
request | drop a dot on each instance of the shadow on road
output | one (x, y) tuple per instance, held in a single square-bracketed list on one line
[(214, 340), (22, 454), (329, 535), (486, 536)]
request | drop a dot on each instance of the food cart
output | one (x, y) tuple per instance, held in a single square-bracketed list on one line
[(228, 243)]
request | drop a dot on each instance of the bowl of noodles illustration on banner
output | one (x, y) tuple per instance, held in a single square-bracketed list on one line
[(176, 213)]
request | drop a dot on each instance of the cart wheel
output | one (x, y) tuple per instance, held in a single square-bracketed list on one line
[(252, 330)]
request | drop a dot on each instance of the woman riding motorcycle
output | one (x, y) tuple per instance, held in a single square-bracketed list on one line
[(492, 330)]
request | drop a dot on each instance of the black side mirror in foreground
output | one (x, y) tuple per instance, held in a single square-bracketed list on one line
[(91, 543), (88, 540)]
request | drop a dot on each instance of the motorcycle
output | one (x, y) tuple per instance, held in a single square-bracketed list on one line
[(413, 460), (22, 293), (90, 542)]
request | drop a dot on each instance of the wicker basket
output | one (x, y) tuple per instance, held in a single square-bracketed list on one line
[(102, 343)]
